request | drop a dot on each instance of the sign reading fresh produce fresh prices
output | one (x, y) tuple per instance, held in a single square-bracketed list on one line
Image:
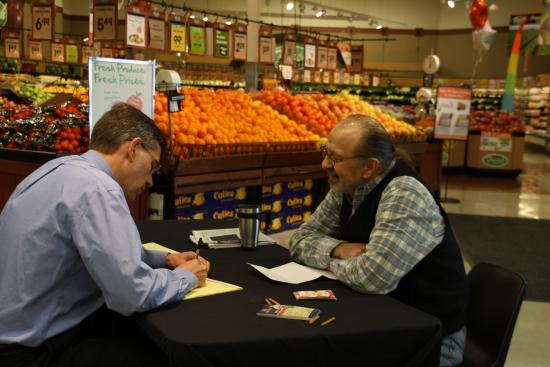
[(221, 41), (116, 80), (197, 40)]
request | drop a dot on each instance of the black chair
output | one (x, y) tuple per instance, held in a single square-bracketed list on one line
[(496, 294)]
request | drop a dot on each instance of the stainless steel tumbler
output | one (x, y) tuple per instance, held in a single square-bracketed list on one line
[(249, 225)]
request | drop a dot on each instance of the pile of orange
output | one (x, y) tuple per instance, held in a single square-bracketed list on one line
[(228, 122)]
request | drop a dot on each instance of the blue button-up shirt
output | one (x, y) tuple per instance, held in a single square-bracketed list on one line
[(68, 245)]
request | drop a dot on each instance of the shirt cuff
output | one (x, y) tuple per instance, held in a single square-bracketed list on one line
[(188, 278), (156, 259), (325, 248)]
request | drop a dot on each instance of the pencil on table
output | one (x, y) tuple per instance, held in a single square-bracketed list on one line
[(273, 301), (328, 321), (314, 319), (267, 301)]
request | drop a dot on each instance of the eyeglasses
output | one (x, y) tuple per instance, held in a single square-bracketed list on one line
[(325, 153), (155, 165)]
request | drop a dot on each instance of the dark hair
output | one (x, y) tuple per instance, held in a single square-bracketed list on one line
[(121, 123), (373, 139)]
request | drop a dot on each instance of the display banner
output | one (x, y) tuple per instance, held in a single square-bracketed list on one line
[(452, 114), (157, 31), (221, 40), (36, 52), (71, 53), (57, 52), (177, 34), (136, 27), (42, 20), (265, 47), (87, 52), (345, 52), (197, 39), (322, 55), (240, 42), (116, 80), (12, 48), (357, 59), (535, 39), (495, 142), (332, 58), (310, 56), (105, 21), (289, 49)]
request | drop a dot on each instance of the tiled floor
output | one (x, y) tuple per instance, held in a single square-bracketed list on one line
[(527, 196)]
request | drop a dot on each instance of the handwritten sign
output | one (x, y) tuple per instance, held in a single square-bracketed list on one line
[(57, 52), (35, 51), (42, 22), (115, 80), (105, 22), (157, 32), (177, 37), (12, 48)]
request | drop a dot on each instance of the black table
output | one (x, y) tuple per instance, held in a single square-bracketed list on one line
[(223, 330)]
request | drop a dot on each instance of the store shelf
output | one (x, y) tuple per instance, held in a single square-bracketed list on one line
[(537, 137)]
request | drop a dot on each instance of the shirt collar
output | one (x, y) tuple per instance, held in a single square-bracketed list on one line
[(364, 189), (97, 160)]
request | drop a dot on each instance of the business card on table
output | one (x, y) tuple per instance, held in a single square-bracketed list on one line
[(288, 312), (324, 294)]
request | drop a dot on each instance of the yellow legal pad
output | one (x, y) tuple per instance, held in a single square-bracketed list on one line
[(211, 287)]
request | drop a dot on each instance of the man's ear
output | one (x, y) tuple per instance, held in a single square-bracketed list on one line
[(131, 148), (371, 168)]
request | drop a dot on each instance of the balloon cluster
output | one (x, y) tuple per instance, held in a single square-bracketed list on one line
[(483, 35)]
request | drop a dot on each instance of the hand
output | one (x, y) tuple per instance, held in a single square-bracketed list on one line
[(199, 267), (176, 259), (348, 249)]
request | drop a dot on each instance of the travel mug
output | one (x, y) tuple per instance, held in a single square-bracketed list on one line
[(249, 225)]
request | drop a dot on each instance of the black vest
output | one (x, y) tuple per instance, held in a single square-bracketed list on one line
[(437, 284)]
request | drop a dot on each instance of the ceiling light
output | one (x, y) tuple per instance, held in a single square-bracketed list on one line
[(289, 5), (451, 4), (205, 18), (228, 21), (379, 26), (320, 13), (192, 16)]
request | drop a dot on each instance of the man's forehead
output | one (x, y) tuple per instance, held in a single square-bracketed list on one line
[(343, 139)]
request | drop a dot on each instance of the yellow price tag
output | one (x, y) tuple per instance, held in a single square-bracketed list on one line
[(177, 37)]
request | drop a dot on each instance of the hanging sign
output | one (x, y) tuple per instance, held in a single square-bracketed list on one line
[(12, 48), (289, 49), (42, 19), (357, 59), (332, 55), (345, 52), (336, 78), (265, 48), (221, 40), (177, 34), (495, 142), (197, 38), (107, 51), (35, 50), (115, 80), (57, 51), (105, 21), (239, 42), (157, 31), (326, 77), (135, 27), (317, 76), (357, 79), (71, 52), (309, 53), (322, 55), (87, 52), (307, 76), (452, 115)]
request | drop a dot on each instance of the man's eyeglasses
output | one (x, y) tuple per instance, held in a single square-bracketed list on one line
[(155, 165), (325, 153)]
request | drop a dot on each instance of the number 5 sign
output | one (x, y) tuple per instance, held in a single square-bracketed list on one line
[(42, 19), (105, 20)]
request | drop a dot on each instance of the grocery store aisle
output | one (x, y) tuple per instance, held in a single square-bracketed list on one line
[(527, 196)]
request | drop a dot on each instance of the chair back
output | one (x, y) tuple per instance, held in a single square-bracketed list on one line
[(495, 299)]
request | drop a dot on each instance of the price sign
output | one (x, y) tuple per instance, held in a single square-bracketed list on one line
[(157, 32), (197, 36), (289, 52), (35, 51), (71, 54), (326, 77), (107, 52), (12, 47), (266, 50), (336, 77), (42, 22), (105, 22), (86, 53), (322, 57), (307, 76), (177, 37), (357, 79), (135, 30), (240, 43), (332, 55), (58, 52), (221, 39)]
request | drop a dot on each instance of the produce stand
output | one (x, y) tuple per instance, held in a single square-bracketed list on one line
[(506, 160)]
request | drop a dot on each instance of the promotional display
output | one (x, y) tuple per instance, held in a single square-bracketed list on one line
[(452, 113)]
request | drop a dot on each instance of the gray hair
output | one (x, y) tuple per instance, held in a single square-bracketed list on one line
[(121, 123)]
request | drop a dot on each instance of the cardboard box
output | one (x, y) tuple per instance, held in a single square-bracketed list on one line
[(211, 199), (502, 152)]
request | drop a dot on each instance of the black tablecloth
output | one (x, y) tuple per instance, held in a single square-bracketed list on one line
[(223, 330)]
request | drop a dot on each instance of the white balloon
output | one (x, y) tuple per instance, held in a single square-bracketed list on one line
[(484, 37)]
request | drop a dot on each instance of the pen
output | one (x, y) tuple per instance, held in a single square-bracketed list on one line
[(328, 321), (268, 301), (314, 319), (273, 301)]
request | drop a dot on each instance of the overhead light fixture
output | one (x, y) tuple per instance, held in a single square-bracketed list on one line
[(320, 13), (379, 26), (451, 4), (192, 16), (205, 18), (289, 5), (229, 21)]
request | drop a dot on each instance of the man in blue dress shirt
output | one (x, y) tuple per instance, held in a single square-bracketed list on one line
[(71, 254)]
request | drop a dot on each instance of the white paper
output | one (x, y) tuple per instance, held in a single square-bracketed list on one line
[(293, 273), (207, 235)]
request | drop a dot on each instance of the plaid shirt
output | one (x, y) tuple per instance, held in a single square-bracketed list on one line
[(408, 225)]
